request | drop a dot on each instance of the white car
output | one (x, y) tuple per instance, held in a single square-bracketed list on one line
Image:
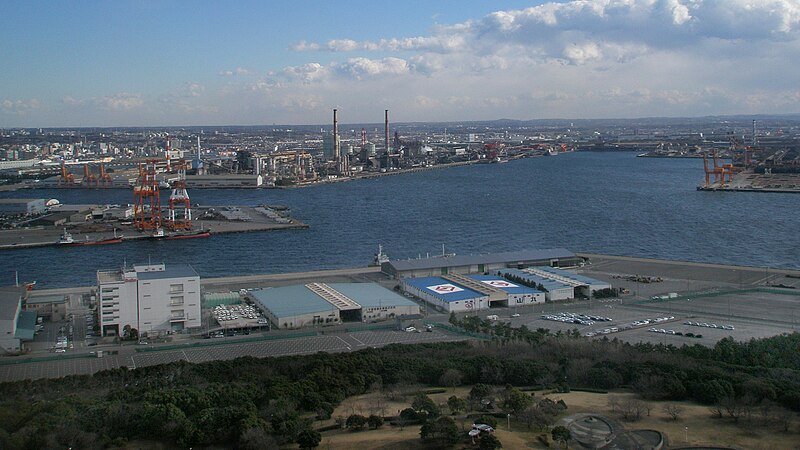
[(515, 315), (410, 329)]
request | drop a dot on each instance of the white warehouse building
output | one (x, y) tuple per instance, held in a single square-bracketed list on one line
[(149, 298)]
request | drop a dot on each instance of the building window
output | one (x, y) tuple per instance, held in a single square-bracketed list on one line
[(176, 300), (175, 288)]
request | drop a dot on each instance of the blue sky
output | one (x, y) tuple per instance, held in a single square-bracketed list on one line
[(140, 63)]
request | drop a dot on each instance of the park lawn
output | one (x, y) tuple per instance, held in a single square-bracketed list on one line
[(703, 429)]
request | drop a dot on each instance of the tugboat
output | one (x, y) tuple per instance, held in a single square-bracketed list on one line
[(380, 257)]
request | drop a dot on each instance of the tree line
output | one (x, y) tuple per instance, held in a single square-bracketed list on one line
[(262, 403)]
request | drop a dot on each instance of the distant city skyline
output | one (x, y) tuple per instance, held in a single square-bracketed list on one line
[(184, 63)]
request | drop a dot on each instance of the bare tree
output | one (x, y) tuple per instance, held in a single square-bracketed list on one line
[(673, 410), (632, 409)]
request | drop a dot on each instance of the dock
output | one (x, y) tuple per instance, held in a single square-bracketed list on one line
[(239, 219)]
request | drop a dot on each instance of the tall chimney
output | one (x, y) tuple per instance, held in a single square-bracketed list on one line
[(335, 136), (386, 131)]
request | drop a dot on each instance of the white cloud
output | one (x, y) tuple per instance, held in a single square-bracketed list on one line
[(20, 107), (239, 71)]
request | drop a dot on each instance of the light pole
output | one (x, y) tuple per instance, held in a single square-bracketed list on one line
[(508, 418), (686, 434)]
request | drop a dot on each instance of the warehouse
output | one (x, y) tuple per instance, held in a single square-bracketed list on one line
[(517, 294), (430, 267), (16, 325), (29, 206), (294, 306), (554, 290), (50, 307), (583, 286), (445, 294), (298, 306), (377, 302)]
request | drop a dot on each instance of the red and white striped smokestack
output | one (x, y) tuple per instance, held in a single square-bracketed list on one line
[(386, 131)]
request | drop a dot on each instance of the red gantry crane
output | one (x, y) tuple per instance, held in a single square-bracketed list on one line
[(147, 198)]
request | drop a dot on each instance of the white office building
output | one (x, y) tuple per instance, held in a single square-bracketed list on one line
[(149, 298)]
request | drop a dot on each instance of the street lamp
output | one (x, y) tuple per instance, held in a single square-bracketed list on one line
[(508, 418), (686, 434)]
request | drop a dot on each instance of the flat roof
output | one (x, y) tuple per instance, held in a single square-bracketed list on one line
[(289, 301), (442, 289), (489, 258), (31, 300), (9, 301), (16, 201), (503, 284), (26, 326), (371, 295), (547, 283), (572, 276), (171, 271)]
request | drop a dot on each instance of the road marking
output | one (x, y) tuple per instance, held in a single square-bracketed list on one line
[(356, 339)]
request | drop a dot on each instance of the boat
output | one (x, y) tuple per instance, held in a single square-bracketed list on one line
[(66, 239), (380, 257), (197, 234)]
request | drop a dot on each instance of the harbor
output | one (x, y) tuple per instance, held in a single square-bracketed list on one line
[(234, 219)]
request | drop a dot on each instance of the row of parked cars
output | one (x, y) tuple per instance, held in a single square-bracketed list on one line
[(638, 323), (580, 319), (709, 325)]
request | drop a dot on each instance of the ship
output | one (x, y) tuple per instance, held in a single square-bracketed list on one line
[(66, 239), (196, 234), (380, 257)]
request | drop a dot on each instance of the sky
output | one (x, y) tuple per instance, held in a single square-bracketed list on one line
[(183, 63)]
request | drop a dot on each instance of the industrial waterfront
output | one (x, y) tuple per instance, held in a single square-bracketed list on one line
[(611, 203)]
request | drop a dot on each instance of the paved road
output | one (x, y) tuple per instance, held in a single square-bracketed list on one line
[(58, 366)]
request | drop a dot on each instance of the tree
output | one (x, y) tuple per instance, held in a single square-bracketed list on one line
[(517, 401), (424, 403), (451, 378), (356, 422), (673, 410), (375, 421), (456, 404), (561, 434), (442, 430), (309, 438), (478, 393), (489, 442)]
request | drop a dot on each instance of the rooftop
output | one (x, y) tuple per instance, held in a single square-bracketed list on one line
[(26, 326), (547, 283), (287, 301), (9, 301), (443, 289), (31, 300), (171, 271), (489, 258), (16, 201), (503, 284), (370, 295), (572, 276)]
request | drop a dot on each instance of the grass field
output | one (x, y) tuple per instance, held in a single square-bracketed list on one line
[(695, 423)]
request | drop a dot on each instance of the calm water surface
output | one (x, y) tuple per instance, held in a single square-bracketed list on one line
[(606, 203)]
